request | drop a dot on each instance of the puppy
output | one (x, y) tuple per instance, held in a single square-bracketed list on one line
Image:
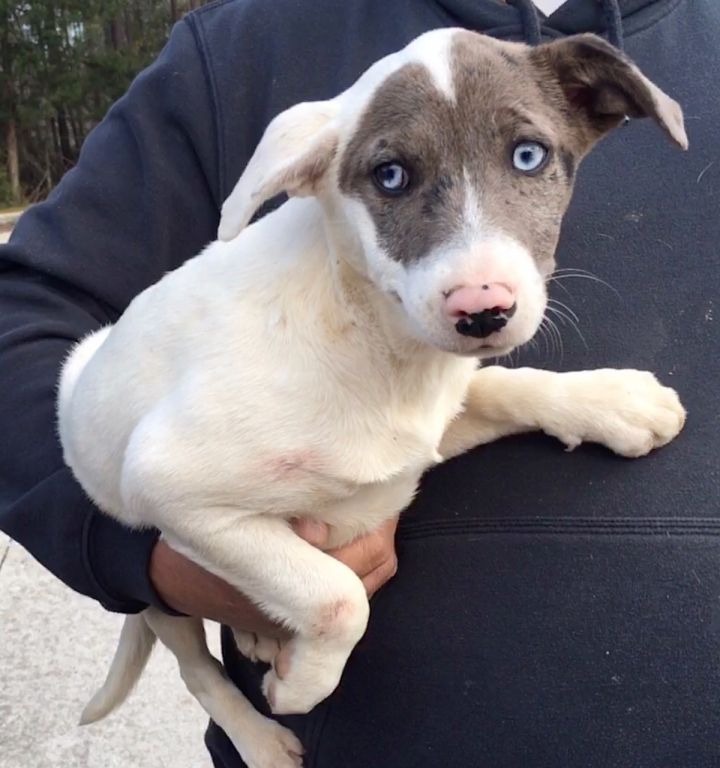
[(317, 362)]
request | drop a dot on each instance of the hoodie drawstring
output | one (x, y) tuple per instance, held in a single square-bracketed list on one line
[(530, 20), (613, 22)]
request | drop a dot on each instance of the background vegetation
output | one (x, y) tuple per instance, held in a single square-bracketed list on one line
[(62, 64)]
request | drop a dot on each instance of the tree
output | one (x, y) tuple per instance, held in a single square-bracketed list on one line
[(62, 64)]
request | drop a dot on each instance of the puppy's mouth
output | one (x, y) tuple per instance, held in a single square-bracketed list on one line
[(491, 350), (484, 350)]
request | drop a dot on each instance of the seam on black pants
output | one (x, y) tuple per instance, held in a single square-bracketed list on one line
[(609, 526)]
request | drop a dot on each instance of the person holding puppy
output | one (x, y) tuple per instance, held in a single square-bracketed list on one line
[(538, 617)]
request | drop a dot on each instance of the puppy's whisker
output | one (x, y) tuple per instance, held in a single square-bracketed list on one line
[(565, 308), (545, 335), (575, 270), (560, 275), (573, 322), (562, 287), (556, 335)]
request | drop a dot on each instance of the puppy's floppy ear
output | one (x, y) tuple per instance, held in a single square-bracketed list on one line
[(602, 86), (293, 155)]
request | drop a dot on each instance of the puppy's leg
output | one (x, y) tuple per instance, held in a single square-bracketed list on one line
[(348, 518), (261, 742), (628, 411), (318, 598)]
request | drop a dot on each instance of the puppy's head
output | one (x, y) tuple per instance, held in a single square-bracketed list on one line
[(449, 166)]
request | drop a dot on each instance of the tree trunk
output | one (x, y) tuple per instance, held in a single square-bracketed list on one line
[(78, 137), (48, 170), (13, 162), (55, 138), (64, 134), (115, 34), (128, 27)]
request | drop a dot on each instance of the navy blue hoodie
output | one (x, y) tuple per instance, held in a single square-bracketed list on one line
[(550, 610)]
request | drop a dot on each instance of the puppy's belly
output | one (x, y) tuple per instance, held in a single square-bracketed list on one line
[(351, 508), (367, 508), (322, 495)]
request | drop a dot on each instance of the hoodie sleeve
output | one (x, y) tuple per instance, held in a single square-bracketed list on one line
[(142, 199)]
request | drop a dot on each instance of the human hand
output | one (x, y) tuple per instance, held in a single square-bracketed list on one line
[(372, 556), (188, 588)]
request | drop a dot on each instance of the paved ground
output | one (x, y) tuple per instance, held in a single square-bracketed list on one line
[(54, 650), (7, 219)]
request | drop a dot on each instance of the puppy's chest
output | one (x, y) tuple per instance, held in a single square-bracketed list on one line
[(358, 447), (341, 477)]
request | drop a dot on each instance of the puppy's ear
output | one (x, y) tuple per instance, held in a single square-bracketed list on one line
[(293, 155), (601, 87)]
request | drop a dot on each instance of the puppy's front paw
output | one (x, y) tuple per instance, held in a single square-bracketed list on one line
[(297, 694), (628, 411), (303, 674)]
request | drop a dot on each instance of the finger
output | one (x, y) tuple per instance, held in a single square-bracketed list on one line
[(313, 531), (281, 662), (369, 552), (362, 555), (380, 576)]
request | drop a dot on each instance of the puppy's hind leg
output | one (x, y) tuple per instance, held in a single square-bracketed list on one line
[(261, 742), (313, 595)]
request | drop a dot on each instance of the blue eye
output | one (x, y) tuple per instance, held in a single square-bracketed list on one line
[(529, 156), (391, 177)]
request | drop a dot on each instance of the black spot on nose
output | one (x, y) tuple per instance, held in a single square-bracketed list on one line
[(482, 324)]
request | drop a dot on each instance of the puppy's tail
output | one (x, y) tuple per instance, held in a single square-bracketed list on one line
[(131, 656)]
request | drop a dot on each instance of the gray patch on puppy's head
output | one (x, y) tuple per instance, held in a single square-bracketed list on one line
[(406, 122), (459, 150)]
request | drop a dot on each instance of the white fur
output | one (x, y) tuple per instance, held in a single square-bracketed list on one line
[(276, 375), (431, 50)]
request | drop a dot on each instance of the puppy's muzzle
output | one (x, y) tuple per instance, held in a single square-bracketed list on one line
[(482, 324)]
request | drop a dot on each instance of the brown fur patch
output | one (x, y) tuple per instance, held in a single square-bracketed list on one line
[(565, 94), (598, 86), (447, 144)]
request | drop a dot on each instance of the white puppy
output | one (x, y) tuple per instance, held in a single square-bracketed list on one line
[(319, 361)]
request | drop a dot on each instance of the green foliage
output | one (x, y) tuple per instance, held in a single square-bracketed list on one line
[(62, 64)]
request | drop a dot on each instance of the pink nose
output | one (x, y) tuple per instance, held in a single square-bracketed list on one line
[(473, 299)]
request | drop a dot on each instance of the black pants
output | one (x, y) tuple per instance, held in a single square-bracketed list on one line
[(583, 633), (563, 611)]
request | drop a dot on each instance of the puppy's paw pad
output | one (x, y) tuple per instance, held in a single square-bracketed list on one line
[(256, 647)]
